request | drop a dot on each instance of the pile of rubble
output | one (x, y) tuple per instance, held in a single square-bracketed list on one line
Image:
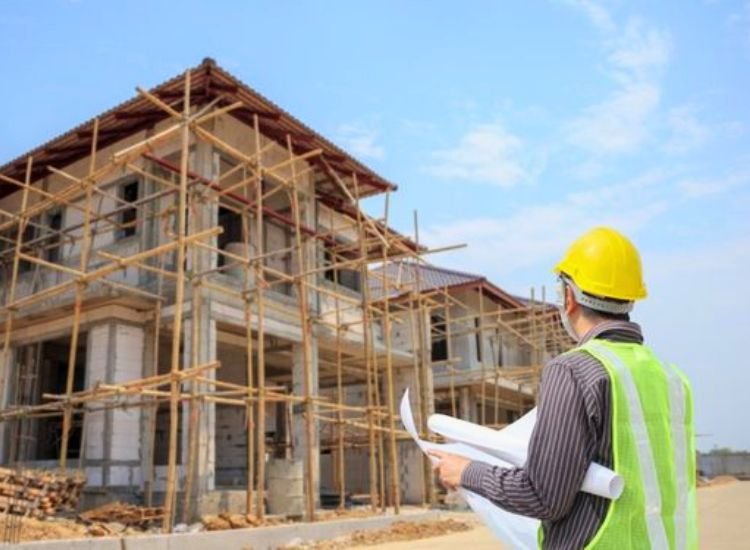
[(716, 481), (236, 521), (38, 493), (125, 514)]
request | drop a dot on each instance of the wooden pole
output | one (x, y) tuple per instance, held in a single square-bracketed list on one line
[(80, 289), (480, 343), (495, 365), (341, 479), (169, 498), (367, 351), (193, 405), (390, 398), (14, 278), (260, 308), (449, 348), (306, 351)]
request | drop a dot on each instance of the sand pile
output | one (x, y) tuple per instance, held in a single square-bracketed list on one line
[(399, 531)]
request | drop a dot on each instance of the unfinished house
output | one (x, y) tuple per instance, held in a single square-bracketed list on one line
[(482, 348), (479, 360), (187, 319)]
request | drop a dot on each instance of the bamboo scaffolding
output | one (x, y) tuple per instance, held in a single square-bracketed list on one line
[(85, 249), (346, 337), (302, 297), (260, 305), (169, 498), (367, 335)]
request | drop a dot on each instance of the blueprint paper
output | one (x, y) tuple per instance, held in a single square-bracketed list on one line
[(514, 531), (512, 444), (506, 448)]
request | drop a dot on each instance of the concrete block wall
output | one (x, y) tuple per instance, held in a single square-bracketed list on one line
[(356, 459), (231, 446), (356, 470), (410, 458), (231, 429), (463, 343), (113, 437)]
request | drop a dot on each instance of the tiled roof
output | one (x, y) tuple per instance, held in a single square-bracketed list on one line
[(209, 82), (410, 276), (404, 276)]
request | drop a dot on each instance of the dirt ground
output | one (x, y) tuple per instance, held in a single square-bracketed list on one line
[(723, 517), (405, 532), (722, 506)]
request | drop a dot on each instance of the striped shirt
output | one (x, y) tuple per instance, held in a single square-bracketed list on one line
[(573, 429)]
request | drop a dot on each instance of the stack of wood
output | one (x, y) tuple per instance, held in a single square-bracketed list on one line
[(38, 493), (129, 515)]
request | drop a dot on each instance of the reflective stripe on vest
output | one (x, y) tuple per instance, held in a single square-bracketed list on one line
[(656, 533), (680, 446)]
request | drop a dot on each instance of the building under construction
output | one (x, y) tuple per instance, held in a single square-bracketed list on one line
[(195, 306)]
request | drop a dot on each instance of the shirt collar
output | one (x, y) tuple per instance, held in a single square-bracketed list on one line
[(627, 328)]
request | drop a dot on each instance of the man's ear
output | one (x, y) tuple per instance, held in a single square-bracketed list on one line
[(571, 306)]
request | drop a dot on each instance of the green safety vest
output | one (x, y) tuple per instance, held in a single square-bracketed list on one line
[(653, 443)]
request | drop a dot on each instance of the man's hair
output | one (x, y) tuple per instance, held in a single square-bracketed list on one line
[(592, 313), (595, 313)]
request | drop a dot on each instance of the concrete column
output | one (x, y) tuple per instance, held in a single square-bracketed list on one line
[(467, 405), (113, 437), (205, 459), (463, 342), (410, 459), (10, 374), (299, 438), (204, 214), (512, 352)]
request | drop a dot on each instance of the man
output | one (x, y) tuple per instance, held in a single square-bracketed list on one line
[(611, 401)]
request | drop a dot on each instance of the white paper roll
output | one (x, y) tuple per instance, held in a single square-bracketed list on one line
[(513, 530), (511, 445), (505, 448)]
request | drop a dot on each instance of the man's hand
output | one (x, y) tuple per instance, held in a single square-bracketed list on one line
[(449, 468)]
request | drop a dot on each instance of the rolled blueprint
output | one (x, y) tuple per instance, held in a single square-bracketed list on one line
[(512, 445), (513, 530), (506, 448)]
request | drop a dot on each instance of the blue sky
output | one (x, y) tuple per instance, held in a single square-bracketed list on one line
[(509, 126)]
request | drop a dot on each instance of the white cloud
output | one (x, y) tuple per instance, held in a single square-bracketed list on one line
[(596, 13), (617, 125), (360, 141), (698, 188), (741, 19), (640, 52), (537, 234), (636, 56), (686, 131), (487, 153)]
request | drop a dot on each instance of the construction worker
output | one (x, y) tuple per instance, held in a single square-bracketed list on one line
[(610, 400)]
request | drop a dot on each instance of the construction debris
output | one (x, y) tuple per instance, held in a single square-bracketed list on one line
[(399, 531), (126, 514), (38, 493), (29, 529), (223, 522), (716, 481)]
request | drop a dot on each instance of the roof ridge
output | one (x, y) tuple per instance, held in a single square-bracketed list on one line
[(209, 75), (434, 268), (207, 62), (454, 271)]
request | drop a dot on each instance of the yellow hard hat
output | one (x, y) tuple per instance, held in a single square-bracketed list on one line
[(604, 262)]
